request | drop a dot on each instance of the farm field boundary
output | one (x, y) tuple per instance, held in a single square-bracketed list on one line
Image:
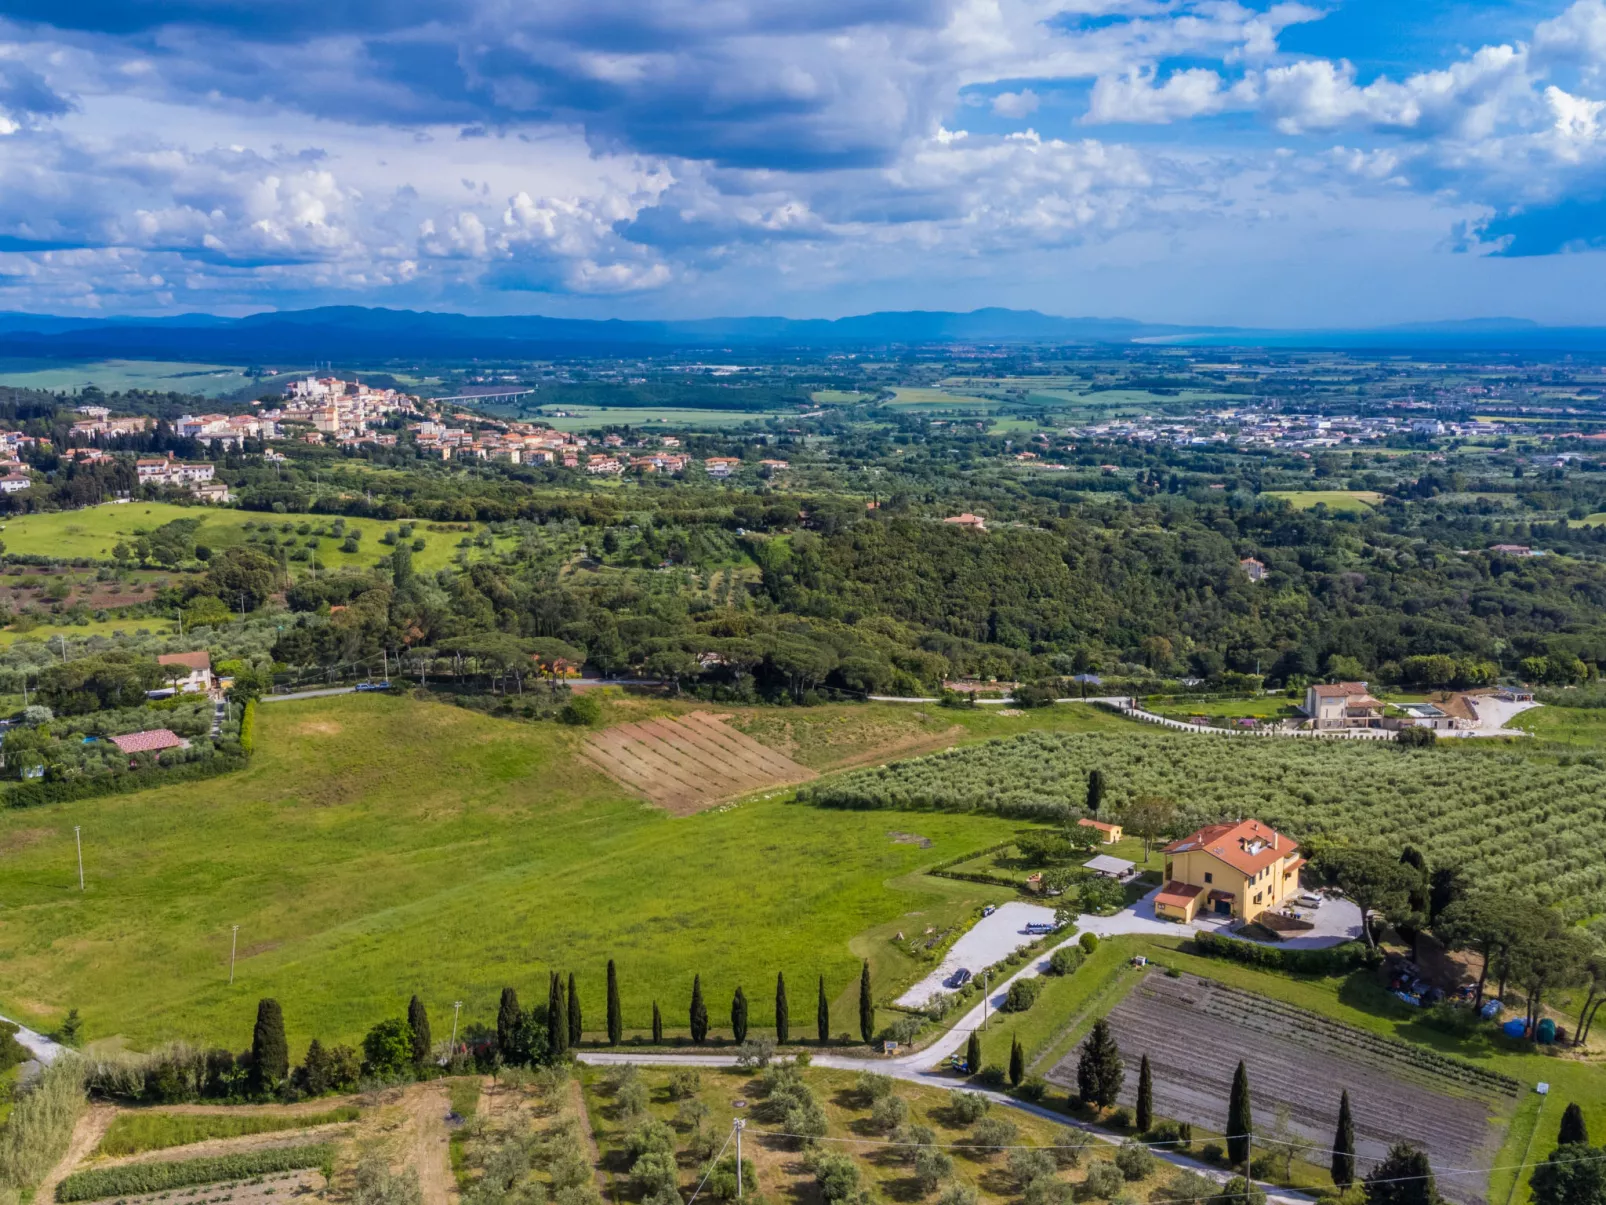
[(686, 764)]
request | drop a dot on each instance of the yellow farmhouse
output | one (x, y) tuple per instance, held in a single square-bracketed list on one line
[(1236, 870)]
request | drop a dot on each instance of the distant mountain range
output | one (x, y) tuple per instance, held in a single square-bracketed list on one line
[(347, 334)]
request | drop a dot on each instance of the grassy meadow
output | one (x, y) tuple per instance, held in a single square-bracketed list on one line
[(95, 531), (1352, 500), (208, 380), (378, 847)]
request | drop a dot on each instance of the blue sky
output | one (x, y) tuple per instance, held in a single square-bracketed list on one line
[(1287, 163)]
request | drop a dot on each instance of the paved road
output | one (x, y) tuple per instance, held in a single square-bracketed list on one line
[(310, 694), (991, 939), (36, 1044)]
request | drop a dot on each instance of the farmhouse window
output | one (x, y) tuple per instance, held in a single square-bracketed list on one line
[(1209, 878), (1258, 894)]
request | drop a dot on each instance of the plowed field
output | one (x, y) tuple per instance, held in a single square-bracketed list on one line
[(687, 764), (1195, 1031)]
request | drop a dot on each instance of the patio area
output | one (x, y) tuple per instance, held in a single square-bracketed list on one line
[(1333, 922)]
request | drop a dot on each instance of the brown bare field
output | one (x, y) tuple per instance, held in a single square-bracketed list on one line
[(689, 763), (1195, 1031)]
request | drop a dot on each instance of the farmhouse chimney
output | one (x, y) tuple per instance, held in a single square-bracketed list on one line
[(1275, 837)]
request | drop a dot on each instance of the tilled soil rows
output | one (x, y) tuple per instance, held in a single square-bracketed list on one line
[(1195, 1032), (687, 764)]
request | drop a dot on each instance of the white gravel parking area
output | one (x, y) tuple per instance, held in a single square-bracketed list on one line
[(991, 939)]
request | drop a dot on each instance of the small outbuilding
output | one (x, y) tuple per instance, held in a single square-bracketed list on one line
[(1109, 866), (152, 740)]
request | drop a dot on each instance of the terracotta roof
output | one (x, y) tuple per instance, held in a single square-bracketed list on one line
[(148, 742), (1177, 894), (1336, 690), (198, 660), (1098, 824), (1248, 846)]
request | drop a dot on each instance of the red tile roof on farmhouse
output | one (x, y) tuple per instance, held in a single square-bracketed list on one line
[(1098, 824), (200, 660), (1249, 845), (1177, 894), (148, 742)]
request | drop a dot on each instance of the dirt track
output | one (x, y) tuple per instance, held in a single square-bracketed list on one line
[(426, 1143), (86, 1136)]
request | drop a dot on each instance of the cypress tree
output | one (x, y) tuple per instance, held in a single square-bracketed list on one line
[(699, 1011), (418, 1027), (616, 1023), (739, 1015), (822, 1014), (1017, 1062), (973, 1053), (575, 1028), (657, 1025), (1145, 1111), (1100, 1071), (270, 1053), (1344, 1145), (557, 1023), (509, 1016), (866, 1005), (1095, 791), (1572, 1127), (1240, 1118), (783, 1015)]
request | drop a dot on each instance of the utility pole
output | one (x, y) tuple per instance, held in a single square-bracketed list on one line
[(986, 986), (78, 839), (740, 1126), (234, 942), (457, 1006)]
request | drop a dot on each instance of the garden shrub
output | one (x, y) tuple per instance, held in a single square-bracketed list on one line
[(1134, 1159), (1103, 1181), (1066, 960), (1022, 994)]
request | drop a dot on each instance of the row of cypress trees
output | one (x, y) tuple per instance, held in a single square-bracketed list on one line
[(564, 1027), (698, 1013)]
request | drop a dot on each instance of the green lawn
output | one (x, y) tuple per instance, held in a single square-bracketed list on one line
[(379, 847), (78, 631), (1354, 500), (1569, 725), (210, 380), (95, 531)]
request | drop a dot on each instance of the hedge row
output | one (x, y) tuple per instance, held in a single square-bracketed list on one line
[(158, 1177), (248, 728), (1336, 960), (32, 794)]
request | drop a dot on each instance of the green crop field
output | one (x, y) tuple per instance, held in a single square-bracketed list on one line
[(1355, 500), (1478, 807), (936, 399), (95, 531), (208, 380), (590, 418), (378, 847)]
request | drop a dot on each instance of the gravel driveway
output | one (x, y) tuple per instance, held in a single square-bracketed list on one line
[(992, 939)]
